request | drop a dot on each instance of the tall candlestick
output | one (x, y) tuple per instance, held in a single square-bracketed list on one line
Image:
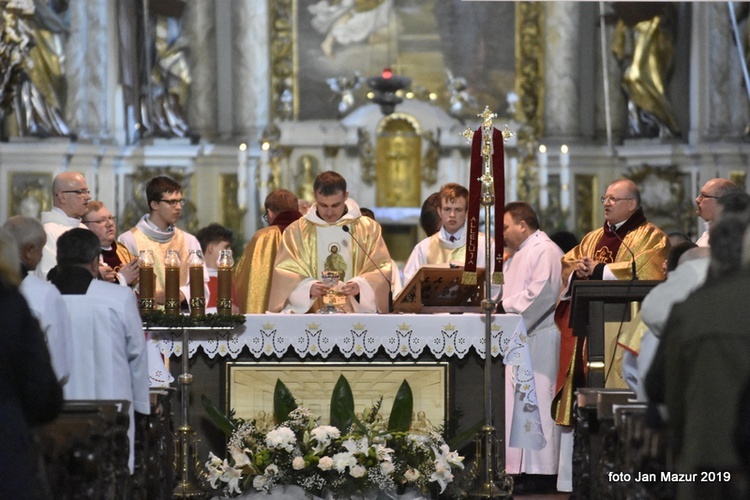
[(172, 283), (543, 178), (197, 294), (224, 298), (564, 178), (146, 281)]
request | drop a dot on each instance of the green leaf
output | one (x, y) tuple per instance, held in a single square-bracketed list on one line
[(283, 402), (217, 416), (342, 405), (403, 406), (463, 438)]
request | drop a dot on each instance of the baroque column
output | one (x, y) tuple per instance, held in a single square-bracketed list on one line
[(251, 68), (86, 67), (200, 29), (561, 109)]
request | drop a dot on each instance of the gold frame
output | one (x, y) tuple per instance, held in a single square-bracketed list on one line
[(311, 383), (35, 186)]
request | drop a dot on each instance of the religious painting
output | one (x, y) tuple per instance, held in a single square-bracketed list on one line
[(30, 194), (250, 388), (459, 55), (137, 204)]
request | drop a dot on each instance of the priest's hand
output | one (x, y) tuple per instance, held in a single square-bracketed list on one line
[(585, 267), (130, 272), (350, 288), (106, 273), (318, 289)]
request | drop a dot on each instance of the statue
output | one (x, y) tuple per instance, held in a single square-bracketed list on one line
[(644, 46)]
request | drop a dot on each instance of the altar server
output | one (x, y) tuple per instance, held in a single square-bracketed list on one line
[(532, 285), (109, 358), (331, 236)]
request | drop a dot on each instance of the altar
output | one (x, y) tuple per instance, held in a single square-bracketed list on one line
[(390, 340)]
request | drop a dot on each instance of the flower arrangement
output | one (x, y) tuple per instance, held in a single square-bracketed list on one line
[(323, 460)]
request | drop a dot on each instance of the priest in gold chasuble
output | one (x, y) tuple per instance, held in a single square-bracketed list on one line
[(332, 236), (604, 254)]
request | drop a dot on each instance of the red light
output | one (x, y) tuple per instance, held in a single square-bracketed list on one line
[(387, 73)]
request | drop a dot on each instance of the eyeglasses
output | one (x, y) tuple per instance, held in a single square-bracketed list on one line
[(704, 196), (265, 216), (79, 192), (611, 199), (111, 219), (174, 203)]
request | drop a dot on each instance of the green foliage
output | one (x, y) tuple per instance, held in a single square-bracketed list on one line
[(342, 405), (283, 402), (163, 320), (221, 421), (403, 407)]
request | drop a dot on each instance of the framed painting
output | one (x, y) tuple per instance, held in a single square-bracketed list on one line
[(30, 194), (250, 387), (454, 52)]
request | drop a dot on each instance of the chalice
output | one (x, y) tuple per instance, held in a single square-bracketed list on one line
[(330, 279)]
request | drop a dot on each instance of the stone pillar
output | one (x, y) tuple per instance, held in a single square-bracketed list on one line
[(86, 67), (200, 30), (561, 79), (251, 68)]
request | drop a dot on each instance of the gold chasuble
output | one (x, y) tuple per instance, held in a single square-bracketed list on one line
[(177, 242), (252, 276), (438, 253), (650, 247), (311, 245)]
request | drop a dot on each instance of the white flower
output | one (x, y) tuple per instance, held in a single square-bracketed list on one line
[(387, 467), (356, 445), (451, 458), (215, 468), (324, 434), (382, 452), (343, 460), (442, 475), (271, 470), (325, 463), (232, 477), (281, 437), (357, 471), (411, 475), (259, 482), (298, 463), (239, 456)]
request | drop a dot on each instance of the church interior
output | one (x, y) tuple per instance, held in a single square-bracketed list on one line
[(236, 98)]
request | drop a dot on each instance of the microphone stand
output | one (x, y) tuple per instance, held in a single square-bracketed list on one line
[(632, 255), (367, 254)]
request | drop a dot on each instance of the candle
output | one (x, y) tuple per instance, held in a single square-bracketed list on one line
[(224, 298), (513, 179), (543, 177), (564, 177), (242, 176), (197, 296), (146, 281), (172, 283)]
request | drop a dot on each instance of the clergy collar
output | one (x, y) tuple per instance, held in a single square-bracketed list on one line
[(459, 236)]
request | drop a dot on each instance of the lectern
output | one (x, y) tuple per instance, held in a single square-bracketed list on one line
[(597, 302)]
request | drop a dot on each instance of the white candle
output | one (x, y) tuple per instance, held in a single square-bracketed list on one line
[(543, 177), (513, 179), (242, 176), (564, 177)]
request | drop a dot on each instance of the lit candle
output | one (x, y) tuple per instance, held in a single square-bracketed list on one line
[(172, 283), (146, 280), (513, 178), (197, 295), (224, 297), (564, 177), (543, 177), (242, 176)]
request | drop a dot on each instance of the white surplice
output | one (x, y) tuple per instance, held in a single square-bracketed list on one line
[(109, 358), (532, 285), (55, 223), (47, 306)]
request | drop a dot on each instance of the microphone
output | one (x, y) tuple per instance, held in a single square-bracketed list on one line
[(632, 255), (367, 254)]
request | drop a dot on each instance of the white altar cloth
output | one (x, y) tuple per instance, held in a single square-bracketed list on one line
[(396, 335)]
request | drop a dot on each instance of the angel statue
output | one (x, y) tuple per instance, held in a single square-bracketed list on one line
[(460, 98), (344, 88)]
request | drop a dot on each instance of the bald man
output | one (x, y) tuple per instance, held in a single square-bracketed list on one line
[(707, 206), (603, 254), (70, 199)]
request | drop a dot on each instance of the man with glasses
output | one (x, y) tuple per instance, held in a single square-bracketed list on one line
[(707, 207), (118, 264), (70, 199), (602, 254), (448, 245), (255, 268), (156, 231)]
